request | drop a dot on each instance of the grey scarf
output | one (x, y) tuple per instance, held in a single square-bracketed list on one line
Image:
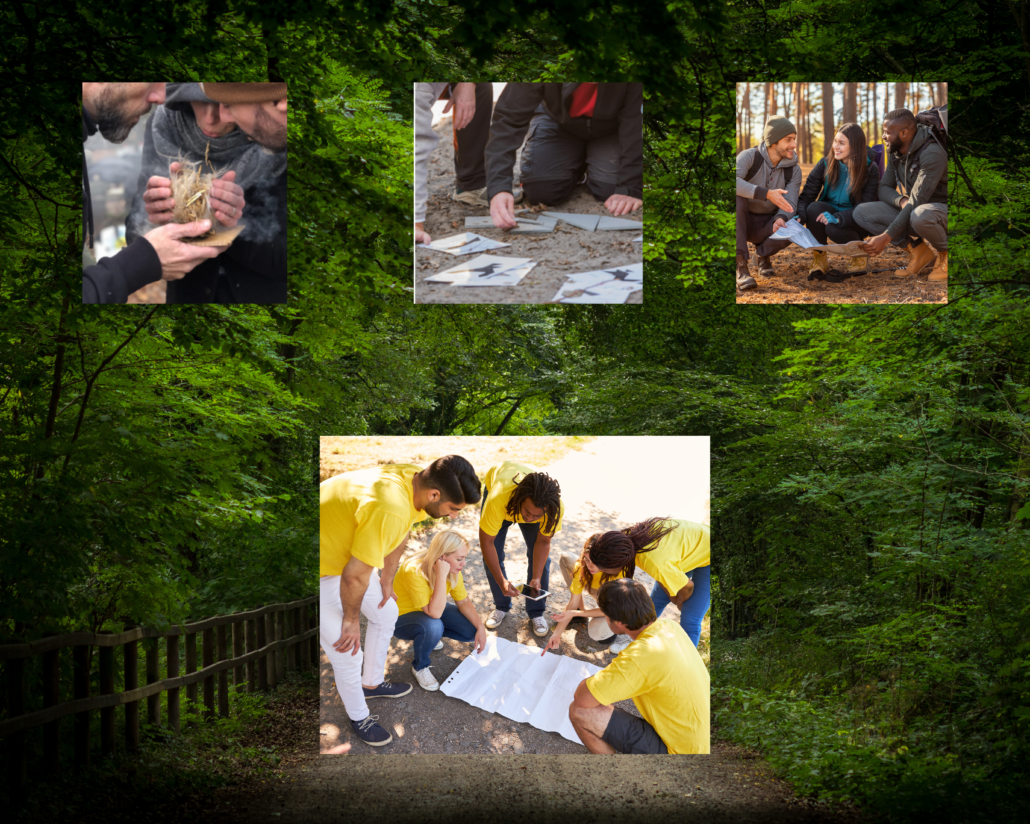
[(177, 132)]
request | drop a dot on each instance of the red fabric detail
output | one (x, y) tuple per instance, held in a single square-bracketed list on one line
[(583, 100)]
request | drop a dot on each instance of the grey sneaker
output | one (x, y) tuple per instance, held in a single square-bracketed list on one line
[(494, 621), (621, 642), (540, 625), (439, 645)]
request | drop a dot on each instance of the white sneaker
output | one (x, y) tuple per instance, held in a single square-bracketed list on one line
[(426, 679), (439, 645), (494, 621), (619, 644), (540, 625)]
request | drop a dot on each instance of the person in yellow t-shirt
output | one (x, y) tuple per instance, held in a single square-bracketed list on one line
[(423, 582), (660, 670), (364, 519), (516, 493), (677, 555), (605, 557)]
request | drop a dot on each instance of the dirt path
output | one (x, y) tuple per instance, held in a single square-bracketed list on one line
[(564, 251)]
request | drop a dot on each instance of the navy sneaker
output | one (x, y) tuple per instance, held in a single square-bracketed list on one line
[(370, 732), (387, 690)]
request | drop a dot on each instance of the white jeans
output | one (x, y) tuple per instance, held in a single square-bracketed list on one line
[(346, 667)]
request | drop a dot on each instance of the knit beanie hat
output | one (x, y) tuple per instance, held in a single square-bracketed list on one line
[(776, 129), (244, 92)]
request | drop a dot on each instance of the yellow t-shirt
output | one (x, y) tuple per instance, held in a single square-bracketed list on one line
[(576, 587), (664, 675), (499, 486), (365, 514), (414, 591), (683, 549)]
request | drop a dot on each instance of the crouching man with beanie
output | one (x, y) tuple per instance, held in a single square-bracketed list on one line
[(768, 183)]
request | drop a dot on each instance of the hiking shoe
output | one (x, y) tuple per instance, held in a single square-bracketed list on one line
[(621, 642), (386, 690), (744, 279), (540, 625), (426, 679), (494, 621), (940, 268), (370, 732), (473, 197), (918, 257), (820, 263), (858, 265), (764, 265), (439, 645)]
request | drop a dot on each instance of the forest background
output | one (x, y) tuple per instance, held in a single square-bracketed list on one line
[(871, 633)]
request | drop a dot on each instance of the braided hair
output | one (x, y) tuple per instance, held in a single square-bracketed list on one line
[(543, 491), (618, 550)]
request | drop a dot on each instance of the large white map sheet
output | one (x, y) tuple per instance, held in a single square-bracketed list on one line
[(518, 682)]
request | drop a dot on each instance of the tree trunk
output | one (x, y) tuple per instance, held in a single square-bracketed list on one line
[(899, 95), (808, 119), (942, 94), (827, 117), (799, 120), (740, 124), (769, 102), (850, 114)]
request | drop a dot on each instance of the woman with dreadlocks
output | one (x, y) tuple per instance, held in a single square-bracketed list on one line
[(517, 493), (605, 557)]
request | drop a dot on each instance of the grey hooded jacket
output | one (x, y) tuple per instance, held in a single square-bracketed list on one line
[(785, 175), (922, 174)]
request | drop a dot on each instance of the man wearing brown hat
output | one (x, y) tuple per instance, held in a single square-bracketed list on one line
[(259, 109), (768, 184)]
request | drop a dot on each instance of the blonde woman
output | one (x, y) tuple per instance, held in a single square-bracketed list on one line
[(423, 582)]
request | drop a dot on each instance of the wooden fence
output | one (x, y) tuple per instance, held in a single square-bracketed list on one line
[(266, 643)]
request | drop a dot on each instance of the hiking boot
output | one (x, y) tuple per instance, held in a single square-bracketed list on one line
[(919, 256), (858, 265), (439, 646), (540, 625), (764, 265), (940, 269), (744, 279), (370, 732), (494, 621), (426, 679), (386, 690), (820, 263)]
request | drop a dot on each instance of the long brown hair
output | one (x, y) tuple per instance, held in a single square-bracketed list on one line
[(618, 550), (856, 160)]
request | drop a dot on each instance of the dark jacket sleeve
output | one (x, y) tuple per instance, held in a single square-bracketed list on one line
[(512, 113), (113, 279), (266, 259), (869, 195), (813, 186), (631, 143)]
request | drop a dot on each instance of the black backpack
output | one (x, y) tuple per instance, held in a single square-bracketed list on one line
[(937, 119), (756, 164)]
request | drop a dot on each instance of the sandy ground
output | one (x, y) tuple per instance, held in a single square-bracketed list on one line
[(791, 283), (565, 251), (595, 500)]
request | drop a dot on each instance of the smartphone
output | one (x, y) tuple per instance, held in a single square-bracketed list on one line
[(534, 594)]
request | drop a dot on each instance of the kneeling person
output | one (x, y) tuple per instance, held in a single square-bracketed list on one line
[(660, 670), (422, 584)]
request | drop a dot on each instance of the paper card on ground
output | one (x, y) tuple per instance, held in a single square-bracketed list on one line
[(611, 285), (479, 222), (466, 243), (483, 268), (638, 238), (509, 277), (588, 222), (610, 224)]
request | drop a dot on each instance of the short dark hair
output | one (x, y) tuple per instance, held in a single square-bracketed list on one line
[(626, 601), (454, 478), (902, 116)]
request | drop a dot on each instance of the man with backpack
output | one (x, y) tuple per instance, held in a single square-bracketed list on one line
[(916, 218), (768, 183)]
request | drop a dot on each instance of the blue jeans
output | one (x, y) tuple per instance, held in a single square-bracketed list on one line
[(502, 601), (694, 608), (427, 631)]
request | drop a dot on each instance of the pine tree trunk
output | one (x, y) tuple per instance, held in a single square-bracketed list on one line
[(900, 89), (942, 94), (827, 117)]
